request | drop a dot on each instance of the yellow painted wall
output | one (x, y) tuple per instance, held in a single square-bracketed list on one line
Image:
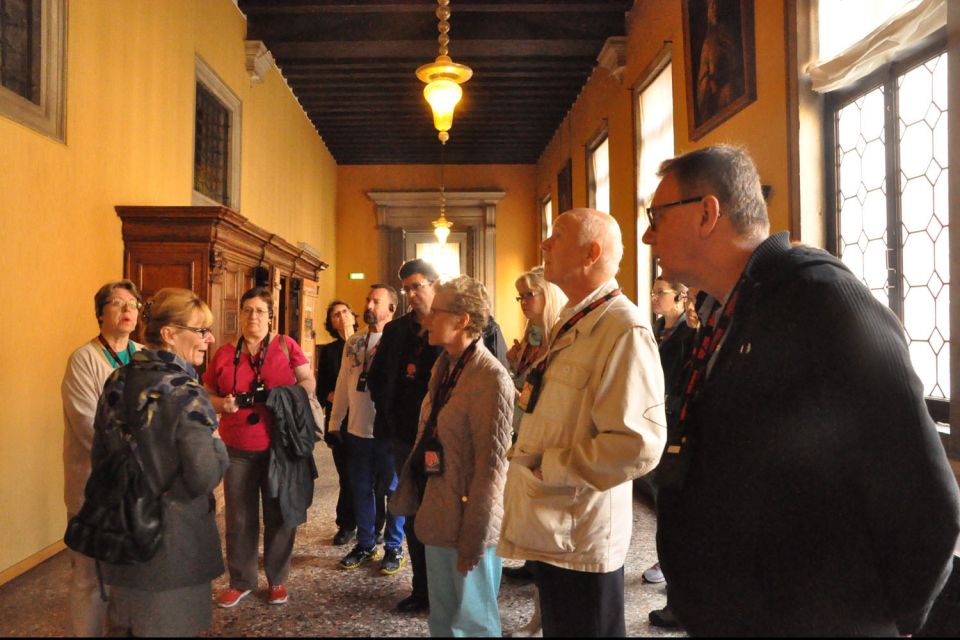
[(129, 140), (762, 126), (517, 235)]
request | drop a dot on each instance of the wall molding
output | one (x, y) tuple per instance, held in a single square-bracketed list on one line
[(30, 562)]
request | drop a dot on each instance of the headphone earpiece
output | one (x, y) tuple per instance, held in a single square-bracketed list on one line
[(676, 298), (392, 307)]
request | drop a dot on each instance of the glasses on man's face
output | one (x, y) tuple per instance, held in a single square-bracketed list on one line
[(414, 287), (654, 212), (527, 296), (251, 311), (120, 305), (203, 332)]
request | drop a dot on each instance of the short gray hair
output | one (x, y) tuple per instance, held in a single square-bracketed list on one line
[(602, 228), (468, 296), (727, 172)]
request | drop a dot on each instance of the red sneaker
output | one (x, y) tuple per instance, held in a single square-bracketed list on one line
[(278, 594), (231, 597)]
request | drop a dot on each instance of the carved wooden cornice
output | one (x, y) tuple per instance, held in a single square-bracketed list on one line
[(233, 234)]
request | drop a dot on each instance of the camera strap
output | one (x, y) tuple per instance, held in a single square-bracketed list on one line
[(255, 363)]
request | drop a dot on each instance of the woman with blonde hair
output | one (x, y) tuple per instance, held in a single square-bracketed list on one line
[(157, 401), (458, 465), (541, 302)]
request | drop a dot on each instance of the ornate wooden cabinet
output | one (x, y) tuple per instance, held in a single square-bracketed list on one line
[(219, 254)]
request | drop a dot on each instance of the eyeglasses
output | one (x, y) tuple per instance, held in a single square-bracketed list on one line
[(653, 211), (413, 287), (661, 292), (527, 295), (250, 311), (132, 305), (436, 310), (203, 332)]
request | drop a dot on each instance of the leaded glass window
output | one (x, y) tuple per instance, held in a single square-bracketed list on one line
[(211, 173), (892, 225)]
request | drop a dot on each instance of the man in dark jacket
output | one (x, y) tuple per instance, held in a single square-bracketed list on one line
[(805, 490), (398, 382)]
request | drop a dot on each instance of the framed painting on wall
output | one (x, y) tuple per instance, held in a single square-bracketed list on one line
[(565, 188), (719, 52)]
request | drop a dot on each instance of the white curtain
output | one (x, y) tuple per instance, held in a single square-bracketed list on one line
[(863, 36)]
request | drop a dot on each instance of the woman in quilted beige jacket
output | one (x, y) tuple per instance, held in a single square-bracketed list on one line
[(459, 465)]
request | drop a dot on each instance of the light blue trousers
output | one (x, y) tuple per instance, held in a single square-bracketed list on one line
[(463, 606)]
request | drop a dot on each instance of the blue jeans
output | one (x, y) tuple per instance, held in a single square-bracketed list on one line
[(370, 459), (463, 606)]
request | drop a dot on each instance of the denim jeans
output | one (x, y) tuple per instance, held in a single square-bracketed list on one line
[(368, 459)]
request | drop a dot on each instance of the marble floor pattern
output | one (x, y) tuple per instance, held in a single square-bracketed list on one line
[(324, 599)]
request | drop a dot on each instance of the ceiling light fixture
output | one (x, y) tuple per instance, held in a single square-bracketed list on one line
[(443, 77)]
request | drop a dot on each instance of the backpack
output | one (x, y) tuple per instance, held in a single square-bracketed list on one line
[(121, 521)]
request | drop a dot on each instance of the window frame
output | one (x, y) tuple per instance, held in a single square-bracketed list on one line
[(546, 217), (593, 145), (834, 101), (206, 76), (647, 267)]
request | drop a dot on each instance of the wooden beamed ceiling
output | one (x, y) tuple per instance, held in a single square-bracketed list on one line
[(351, 65)]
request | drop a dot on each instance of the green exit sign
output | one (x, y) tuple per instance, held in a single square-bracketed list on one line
[(357, 275)]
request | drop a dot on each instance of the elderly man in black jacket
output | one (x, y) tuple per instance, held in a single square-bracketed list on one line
[(805, 491)]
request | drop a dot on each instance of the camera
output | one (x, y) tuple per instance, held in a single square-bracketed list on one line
[(257, 394)]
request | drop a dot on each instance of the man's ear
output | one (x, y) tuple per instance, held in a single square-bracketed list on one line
[(593, 253), (709, 216)]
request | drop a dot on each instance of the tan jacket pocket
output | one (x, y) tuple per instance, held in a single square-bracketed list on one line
[(542, 521)]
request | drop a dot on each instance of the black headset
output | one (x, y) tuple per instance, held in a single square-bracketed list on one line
[(392, 307)]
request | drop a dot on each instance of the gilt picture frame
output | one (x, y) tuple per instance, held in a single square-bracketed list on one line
[(720, 57)]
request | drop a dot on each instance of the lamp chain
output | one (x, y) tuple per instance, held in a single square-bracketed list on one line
[(443, 197), (443, 13)]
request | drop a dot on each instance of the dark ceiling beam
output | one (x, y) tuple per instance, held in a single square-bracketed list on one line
[(259, 7), (487, 65), (459, 51)]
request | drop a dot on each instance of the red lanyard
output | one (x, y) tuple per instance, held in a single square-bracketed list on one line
[(577, 317), (113, 354), (713, 333)]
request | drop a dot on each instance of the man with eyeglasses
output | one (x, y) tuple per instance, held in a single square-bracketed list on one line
[(805, 490), (117, 306), (398, 382)]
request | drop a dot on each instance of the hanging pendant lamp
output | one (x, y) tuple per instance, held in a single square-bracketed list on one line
[(443, 78)]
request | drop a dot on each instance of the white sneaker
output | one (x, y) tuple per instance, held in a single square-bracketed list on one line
[(653, 575)]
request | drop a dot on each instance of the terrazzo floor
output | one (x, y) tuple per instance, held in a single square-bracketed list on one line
[(324, 599)]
